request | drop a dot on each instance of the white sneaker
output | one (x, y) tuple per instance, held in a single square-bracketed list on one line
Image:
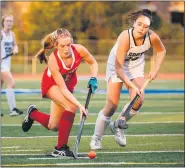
[(14, 113), (119, 135), (95, 143)]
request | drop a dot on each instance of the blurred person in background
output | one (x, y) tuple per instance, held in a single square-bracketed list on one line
[(58, 82), (126, 65), (8, 47), (176, 10)]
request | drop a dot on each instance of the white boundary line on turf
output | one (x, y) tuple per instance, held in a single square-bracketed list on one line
[(158, 113), (31, 150), (90, 123), (117, 163), (89, 136), (175, 151), (56, 158), (85, 153), (10, 147), (93, 163)]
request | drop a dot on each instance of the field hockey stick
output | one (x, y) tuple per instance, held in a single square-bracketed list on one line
[(77, 142), (121, 123), (8, 55)]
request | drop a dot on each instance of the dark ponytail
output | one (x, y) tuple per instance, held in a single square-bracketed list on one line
[(132, 17), (147, 11)]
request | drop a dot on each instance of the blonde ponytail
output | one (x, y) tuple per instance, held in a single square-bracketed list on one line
[(48, 43), (42, 56)]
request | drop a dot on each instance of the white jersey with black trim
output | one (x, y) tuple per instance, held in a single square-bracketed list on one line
[(7, 44), (135, 55)]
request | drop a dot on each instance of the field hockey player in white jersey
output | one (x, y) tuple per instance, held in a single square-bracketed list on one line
[(126, 65), (8, 47)]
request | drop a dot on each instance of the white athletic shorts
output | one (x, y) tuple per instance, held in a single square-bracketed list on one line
[(5, 65), (132, 73)]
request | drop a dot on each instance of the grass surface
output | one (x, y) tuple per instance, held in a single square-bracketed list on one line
[(155, 137)]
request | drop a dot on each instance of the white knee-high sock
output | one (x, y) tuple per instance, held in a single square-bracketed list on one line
[(102, 123), (10, 98)]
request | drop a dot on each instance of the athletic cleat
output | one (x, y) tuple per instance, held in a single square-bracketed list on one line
[(64, 151), (15, 112), (27, 122), (95, 143), (119, 134)]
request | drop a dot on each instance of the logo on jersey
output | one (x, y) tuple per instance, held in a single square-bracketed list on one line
[(8, 47), (133, 56), (69, 74), (77, 61)]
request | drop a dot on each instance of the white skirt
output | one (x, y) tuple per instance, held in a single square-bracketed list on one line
[(6, 64), (132, 73)]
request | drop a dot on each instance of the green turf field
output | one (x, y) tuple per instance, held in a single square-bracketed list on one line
[(155, 137), (178, 66)]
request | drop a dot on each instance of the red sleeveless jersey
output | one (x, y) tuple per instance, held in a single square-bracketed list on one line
[(69, 74)]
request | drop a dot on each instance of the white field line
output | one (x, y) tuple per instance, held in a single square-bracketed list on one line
[(117, 163), (10, 147), (175, 151), (93, 164), (158, 122), (46, 158), (143, 113), (88, 136), (157, 113), (31, 150), (85, 153)]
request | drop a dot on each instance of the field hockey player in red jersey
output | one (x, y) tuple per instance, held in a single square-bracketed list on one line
[(58, 82)]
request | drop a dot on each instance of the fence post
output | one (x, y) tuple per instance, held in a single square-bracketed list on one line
[(34, 65), (152, 59)]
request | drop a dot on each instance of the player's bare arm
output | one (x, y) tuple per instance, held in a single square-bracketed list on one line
[(53, 67), (89, 59), (161, 52), (123, 47)]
